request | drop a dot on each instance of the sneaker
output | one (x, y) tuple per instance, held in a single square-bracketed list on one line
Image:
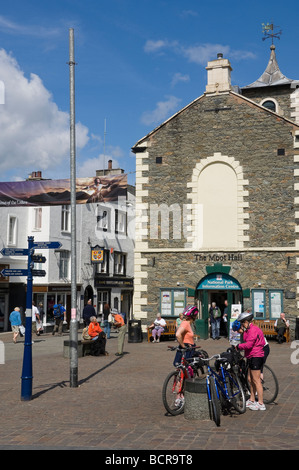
[(158, 341), (179, 402), (257, 406), (249, 402)]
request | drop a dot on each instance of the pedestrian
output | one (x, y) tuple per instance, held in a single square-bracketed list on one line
[(98, 338), (88, 312), (119, 323), (253, 346), (280, 325), (59, 317), (15, 321), (34, 318), (106, 322), (157, 326), (39, 320), (214, 319), (185, 337)]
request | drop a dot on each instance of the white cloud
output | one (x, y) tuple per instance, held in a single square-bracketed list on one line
[(163, 111), (179, 77), (34, 132), (91, 165), (199, 53)]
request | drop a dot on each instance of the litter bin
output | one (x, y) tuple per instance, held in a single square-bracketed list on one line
[(202, 328), (134, 331), (297, 329)]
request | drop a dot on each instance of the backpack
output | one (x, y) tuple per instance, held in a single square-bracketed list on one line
[(57, 311)]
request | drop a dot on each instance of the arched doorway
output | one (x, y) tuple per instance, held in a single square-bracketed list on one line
[(218, 286), (88, 294)]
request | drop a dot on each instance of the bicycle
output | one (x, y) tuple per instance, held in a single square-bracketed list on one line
[(268, 379), (224, 388), (173, 391)]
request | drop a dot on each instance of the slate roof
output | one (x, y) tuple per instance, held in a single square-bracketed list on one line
[(272, 76)]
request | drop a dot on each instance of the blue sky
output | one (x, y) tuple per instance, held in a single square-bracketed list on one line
[(138, 62)]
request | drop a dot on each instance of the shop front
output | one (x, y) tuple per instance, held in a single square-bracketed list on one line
[(217, 287)]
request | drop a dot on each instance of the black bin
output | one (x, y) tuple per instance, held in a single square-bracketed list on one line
[(134, 331), (297, 329)]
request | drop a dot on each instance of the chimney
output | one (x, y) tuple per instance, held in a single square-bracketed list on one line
[(219, 75), (109, 164)]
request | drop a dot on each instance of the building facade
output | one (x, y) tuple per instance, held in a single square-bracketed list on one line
[(217, 201), (106, 229)]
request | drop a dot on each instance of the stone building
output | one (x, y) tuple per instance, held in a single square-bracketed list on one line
[(217, 201)]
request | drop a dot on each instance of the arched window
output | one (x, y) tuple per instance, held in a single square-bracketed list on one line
[(269, 104), (217, 197)]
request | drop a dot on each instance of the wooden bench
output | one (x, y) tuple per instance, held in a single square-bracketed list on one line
[(267, 327), (170, 331), (83, 348)]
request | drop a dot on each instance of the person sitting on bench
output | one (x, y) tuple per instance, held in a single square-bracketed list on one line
[(280, 326)]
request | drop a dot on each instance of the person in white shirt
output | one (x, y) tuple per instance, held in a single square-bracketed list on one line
[(158, 328)]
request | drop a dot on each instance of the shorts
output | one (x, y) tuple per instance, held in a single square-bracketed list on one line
[(15, 328), (255, 363)]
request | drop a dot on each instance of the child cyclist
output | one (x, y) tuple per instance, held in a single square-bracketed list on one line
[(253, 346)]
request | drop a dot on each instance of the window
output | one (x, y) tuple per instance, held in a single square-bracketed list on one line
[(64, 263), (65, 219), (103, 268), (269, 104), (103, 219), (37, 218), (12, 230), (120, 222), (119, 263)]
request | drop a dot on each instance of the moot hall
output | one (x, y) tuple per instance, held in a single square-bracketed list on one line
[(217, 201)]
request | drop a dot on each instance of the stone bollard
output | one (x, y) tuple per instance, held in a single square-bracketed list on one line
[(196, 399)]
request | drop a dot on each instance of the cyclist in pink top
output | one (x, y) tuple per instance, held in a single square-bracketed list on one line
[(253, 346)]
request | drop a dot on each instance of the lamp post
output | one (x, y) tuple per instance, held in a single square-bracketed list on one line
[(73, 323)]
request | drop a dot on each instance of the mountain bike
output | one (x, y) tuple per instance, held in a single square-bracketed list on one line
[(268, 378), (173, 391), (224, 388)]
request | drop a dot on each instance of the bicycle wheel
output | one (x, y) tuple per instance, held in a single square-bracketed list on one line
[(270, 384), (236, 392), (213, 400), (173, 399)]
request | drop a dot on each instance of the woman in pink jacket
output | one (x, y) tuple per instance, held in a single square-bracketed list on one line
[(253, 345)]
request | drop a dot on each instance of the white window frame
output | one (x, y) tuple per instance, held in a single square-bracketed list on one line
[(65, 218), (38, 218), (103, 268), (12, 230), (120, 222), (119, 264), (103, 219), (64, 264)]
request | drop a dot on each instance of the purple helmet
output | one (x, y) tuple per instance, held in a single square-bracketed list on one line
[(190, 311)]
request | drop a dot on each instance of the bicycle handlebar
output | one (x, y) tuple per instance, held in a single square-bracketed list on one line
[(187, 348)]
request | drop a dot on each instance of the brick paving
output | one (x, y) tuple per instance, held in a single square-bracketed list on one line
[(117, 404)]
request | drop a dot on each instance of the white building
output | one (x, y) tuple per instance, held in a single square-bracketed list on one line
[(106, 226)]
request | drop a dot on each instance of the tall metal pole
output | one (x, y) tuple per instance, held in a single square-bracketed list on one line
[(27, 371), (73, 323)]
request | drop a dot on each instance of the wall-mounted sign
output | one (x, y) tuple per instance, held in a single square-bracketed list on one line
[(219, 281), (97, 254)]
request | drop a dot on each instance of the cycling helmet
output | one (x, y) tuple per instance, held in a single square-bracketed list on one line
[(236, 325), (245, 316), (190, 312)]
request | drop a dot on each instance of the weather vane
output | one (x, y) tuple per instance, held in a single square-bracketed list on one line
[(268, 30)]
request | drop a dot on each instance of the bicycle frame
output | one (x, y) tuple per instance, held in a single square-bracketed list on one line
[(220, 379)]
